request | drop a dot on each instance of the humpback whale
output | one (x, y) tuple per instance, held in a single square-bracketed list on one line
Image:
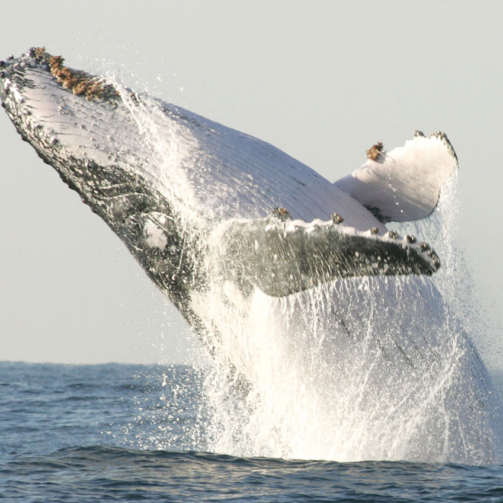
[(231, 228)]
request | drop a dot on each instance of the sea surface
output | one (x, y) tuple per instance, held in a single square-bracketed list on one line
[(136, 433)]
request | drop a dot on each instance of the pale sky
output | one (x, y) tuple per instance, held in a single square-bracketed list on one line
[(321, 80)]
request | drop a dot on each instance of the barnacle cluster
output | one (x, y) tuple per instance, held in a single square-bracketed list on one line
[(79, 82), (375, 151), (281, 213), (337, 219)]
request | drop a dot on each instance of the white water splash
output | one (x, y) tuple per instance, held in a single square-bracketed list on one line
[(367, 368)]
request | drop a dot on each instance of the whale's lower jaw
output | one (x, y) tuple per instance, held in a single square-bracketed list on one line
[(135, 211), (128, 202)]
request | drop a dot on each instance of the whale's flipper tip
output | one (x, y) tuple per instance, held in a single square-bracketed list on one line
[(403, 184)]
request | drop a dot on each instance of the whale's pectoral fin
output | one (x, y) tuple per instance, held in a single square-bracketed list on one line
[(403, 184), (284, 257)]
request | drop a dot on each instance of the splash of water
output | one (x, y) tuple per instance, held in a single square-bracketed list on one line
[(368, 368), (365, 368)]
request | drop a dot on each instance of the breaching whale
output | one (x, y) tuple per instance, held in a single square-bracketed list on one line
[(216, 217)]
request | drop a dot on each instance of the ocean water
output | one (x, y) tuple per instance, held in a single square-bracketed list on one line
[(138, 433)]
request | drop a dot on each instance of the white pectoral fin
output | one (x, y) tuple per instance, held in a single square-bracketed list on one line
[(403, 184)]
